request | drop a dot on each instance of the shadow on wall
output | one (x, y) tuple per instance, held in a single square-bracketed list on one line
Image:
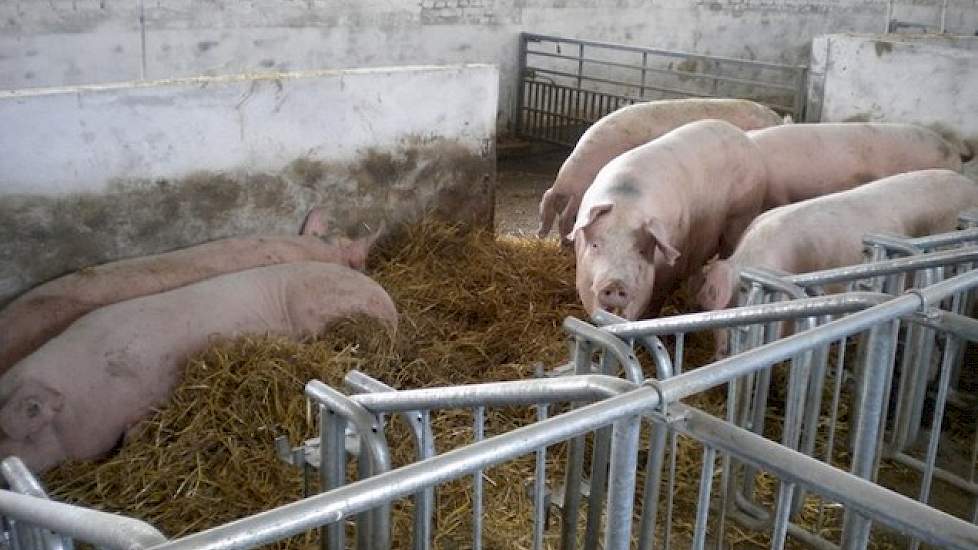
[(42, 237)]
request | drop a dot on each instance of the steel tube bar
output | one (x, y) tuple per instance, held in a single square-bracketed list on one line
[(886, 267), (653, 479), (622, 352), (652, 343), (496, 394), (424, 502), (621, 493), (479, 428), (536, 37), (92, 526), (332, 469), (694, 75), (703, 499), (749, 315), (880, 504)]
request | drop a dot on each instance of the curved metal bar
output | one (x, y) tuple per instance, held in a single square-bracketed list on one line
[(424, 501), (20, 479), (93, 526), (583, 387), (619, 349), (652, 343), (892, 243), (371, 441)]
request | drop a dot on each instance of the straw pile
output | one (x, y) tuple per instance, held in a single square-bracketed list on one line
[(473, 307)]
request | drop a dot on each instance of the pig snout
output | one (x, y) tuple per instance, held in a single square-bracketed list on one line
[(613, 297)]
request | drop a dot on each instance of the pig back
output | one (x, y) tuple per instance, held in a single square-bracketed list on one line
[(809, 160), (43, 312)]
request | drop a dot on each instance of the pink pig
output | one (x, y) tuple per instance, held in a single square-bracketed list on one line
[(657, 213), (626, 129), (76, 396), (44, 311), (826, 232), (809, 160)]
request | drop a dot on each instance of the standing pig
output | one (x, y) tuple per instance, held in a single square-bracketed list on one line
[(826, 232), (77, 395), (44, 311), (808, 160), (657, 213), (626, 129)]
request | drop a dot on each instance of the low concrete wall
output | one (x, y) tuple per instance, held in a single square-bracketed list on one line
[(924, 79), (96, 173)]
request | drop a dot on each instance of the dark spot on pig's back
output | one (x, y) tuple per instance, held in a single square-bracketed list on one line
[(625, 187)]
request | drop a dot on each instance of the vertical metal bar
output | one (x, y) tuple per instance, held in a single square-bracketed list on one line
[(653, 479), (477, 484), (593, 106), (830, 443), (670, 489), (879, 357), (621, 494), (703, 500), (575, 460), (782, 515), (332, 469), (580, 63), (520, 84), (645, 62), (365, 518), (950, 350), (599, 470), (539, 481), (424, 502)]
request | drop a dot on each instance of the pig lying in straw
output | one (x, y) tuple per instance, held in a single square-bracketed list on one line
[(626, 129), (76, 396), (808, 160), (43, 312), (657, 213), (826, 232)]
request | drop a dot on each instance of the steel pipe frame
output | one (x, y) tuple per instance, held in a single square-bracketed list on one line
[(424, 502), (373, 446), (365, 494), (20, 480), (92, 526)]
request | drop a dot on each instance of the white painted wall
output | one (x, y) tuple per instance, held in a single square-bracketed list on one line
[(59, 42), (928, 80), (91, 174), (83, 138)]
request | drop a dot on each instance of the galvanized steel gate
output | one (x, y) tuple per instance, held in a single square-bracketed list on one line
[(565, 84)]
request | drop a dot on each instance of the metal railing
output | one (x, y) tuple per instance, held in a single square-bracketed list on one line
[(565, 84), (611, 402)]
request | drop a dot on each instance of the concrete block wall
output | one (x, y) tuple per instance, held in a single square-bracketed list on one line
[(60, 42), (96, 173), (923, 79)]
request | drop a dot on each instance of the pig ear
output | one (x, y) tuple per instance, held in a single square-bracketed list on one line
[(719, 283), (661, 237), (593, 214), (314, 224), (29, 410), (360, 248)]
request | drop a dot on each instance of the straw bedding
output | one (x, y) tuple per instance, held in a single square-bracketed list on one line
[(473, 308)]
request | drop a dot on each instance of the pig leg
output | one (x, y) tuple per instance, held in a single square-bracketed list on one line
[(548, 209), (567, 218), (731, 234)]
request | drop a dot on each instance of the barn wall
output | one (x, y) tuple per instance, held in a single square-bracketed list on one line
[(90, 174), (927, 80), (59, 42)]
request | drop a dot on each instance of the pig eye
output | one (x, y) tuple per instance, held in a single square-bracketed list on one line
[(594, 245), (33, 409)]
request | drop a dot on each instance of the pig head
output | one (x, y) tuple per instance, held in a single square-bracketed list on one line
[(620, 255), (316, 224), (29, 419)]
